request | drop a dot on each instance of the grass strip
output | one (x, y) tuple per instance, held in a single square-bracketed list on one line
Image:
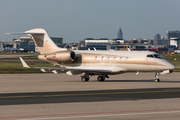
[(13, 70), (176, 70)]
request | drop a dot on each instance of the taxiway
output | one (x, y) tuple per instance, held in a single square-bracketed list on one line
[(54, 97)]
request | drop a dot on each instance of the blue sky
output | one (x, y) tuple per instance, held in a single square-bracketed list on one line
[(75, 20)]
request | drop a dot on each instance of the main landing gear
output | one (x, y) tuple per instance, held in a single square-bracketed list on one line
[(86, 77), (102, 78), (157, 77)]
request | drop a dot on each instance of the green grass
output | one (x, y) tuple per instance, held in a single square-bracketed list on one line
[(15, 70), (20, 65), (172, 57), (175, 62), (13, 65), (176, 70)]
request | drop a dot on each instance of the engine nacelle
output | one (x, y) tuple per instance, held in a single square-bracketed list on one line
[(63, 56)]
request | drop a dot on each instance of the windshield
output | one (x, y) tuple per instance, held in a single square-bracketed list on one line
[(155, 56), (158, 56)]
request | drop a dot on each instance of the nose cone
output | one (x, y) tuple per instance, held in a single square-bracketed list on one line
[(171, 66)]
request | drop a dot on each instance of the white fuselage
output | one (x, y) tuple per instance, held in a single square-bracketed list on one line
[(119, 61)]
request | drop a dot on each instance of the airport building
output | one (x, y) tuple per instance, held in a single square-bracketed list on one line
[(26, 40), (162, 42), (174, 37), (174, 41), (26, 44), (1, 46), (57, 40), (101, 41), (173, 34)]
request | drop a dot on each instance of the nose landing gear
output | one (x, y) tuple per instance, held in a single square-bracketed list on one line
[(157, 77)]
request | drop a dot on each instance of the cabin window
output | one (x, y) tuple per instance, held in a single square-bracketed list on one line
[(102, 58), (108, 58), (127, 58), (96, 58), (120, 58), (114, 58), (150, 56)]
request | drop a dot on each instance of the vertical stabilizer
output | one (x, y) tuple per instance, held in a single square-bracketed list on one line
[(43, 42)]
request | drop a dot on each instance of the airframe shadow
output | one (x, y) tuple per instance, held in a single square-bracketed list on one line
[(152, 80), (129, 81)]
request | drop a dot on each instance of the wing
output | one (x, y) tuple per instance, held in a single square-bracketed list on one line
[(44, 69)]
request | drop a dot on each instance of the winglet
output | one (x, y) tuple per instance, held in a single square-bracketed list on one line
[(24, 63)]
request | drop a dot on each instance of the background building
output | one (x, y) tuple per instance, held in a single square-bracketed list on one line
[(174, 37), (25, 40), (57, 40), (157, 36), (160, 41), (26, 44), (120, 34), (173, 34), (101, 41)]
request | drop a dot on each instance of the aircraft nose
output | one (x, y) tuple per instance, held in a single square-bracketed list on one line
[(171, 67)]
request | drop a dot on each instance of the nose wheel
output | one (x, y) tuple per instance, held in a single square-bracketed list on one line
[(157, 77), (157, 80)]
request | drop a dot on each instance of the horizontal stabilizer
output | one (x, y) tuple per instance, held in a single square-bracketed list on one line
[(23, 33), (24, 63)]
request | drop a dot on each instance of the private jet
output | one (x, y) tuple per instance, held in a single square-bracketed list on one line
[(95, 62)]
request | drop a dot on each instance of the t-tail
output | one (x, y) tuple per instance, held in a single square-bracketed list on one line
[(42, 41)]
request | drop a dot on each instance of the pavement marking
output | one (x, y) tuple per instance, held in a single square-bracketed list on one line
[(110, 115), (56, 86), (94, 113), (83, 94), (116, 87)]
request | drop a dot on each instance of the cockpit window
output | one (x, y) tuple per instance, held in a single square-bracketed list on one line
[(158, 56), (155, 56), (150, 56)]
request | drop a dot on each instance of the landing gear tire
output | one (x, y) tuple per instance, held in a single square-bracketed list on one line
[(157, 77), (157, 80), (85, 79), (100, 78)]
